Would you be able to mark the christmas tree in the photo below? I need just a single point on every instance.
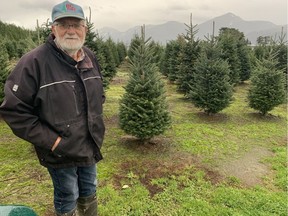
(143, 108)
(267, 86)
(211, 91)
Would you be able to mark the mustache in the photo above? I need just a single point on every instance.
(71, 37)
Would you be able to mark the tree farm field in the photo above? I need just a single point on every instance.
(230, 163)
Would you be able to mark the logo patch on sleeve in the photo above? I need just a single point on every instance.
(15, 88)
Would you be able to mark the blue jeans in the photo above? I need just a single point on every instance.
(70, 184)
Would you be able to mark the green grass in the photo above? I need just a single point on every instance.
(177, 174)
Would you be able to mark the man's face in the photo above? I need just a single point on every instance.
(70, 33)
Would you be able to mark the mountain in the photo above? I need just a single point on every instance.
(170, 30)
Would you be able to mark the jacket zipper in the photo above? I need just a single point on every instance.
(75, 100)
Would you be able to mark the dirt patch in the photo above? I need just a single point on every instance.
(113, 120)
(212, 118)
(265, 118)
(159, 144)
(248, 168)
(118, 81)
(50, 212)
(147, 170)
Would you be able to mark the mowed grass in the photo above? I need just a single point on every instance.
(177, 173)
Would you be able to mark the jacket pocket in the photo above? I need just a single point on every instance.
(75, 141)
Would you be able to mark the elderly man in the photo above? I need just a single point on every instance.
(53, 99)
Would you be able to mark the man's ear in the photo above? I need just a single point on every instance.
(53, 29)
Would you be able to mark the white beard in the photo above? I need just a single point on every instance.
(70, 43)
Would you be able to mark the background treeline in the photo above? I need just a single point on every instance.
(205, 71)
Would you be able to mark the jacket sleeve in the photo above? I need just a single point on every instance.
(18, 108)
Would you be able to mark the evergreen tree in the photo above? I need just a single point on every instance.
(122, 52)
(188, 55)
(266, 46)
(158, 51)
(4, 59)
(113, 48)
(11, 47)
(43, 32)
(262, 49)
(135, 42)
(245, 64)
(164, 59)
(267, 88)
(170, 61)
(143, 108)
(228, 40)
(211, 90)
(282, 51)
(109, 60)
(90, 36)
(280, 48)
(104, 54)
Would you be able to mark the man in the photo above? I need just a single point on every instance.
(53, 99)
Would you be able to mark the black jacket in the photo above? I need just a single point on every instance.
(47, 96)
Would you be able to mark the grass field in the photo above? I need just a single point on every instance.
(232, 163)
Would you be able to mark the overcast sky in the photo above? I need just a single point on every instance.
(125, 14)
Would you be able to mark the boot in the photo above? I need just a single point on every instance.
(71, 213)
(87, 206)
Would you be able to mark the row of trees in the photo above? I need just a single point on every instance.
(206, 72)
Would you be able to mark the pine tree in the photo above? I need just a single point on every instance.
(245, 63)
(158, 51)
(122, 52)
(281, 50)
(4, 59)
(164, 59)
(99, 47)
(228, 41)
(109, 60)
(266, 46)
(112, 46)
(143, 108)
(134, 44)
(267, 88)
(90, 36)
(211, 91)
(43, 32)
(169, 65)
(189, 53)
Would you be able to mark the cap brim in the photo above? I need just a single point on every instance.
(68, 15)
